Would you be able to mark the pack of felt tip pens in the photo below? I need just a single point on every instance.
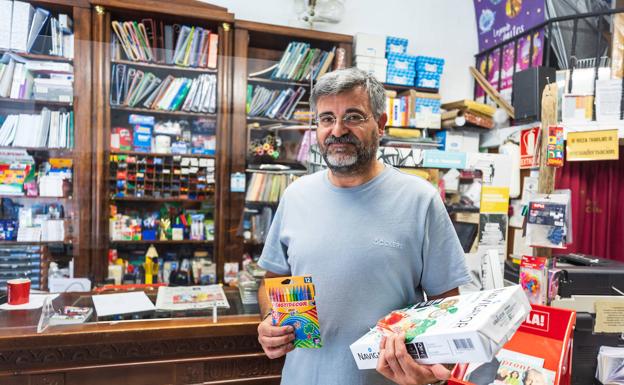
(293, 303)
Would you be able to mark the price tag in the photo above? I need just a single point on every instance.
(237, 182)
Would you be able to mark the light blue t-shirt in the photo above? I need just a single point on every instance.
(370, 249)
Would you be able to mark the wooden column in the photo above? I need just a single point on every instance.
(100, 138)
(82, 141)
(224, 139)
(546, 181)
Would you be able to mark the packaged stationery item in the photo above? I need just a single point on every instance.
(71, 315)
(293, 303)
(465, 328)
(534, 279)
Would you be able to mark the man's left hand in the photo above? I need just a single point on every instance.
(397, 365)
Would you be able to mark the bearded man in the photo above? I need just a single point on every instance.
(373, 239)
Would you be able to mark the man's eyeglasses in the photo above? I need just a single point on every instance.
(350, 120)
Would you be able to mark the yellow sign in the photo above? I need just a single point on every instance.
(592, 145)
(494, 200)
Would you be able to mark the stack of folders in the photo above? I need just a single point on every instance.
(274, 104)
(302, 63)
(264, 187)
(52, 129)
(27, 29)
(152, 41)
(132, 87)
(34, 79)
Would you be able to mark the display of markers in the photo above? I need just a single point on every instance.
(292, 303)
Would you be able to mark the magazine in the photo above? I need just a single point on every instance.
(191, 297)
(507, 368)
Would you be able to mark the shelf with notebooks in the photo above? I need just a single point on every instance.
(45, 188)
(274, 74)
(34, 103)
(164, 112)
(168, 155)
(34, 56)
(168, 67)
(261, 119)
(160, 130)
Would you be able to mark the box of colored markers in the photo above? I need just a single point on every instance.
(292, 303)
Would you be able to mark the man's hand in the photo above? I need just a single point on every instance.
(275, 340)
(397, 365)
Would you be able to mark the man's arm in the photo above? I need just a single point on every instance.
(450, 293)
(397, 365)
(276, 341)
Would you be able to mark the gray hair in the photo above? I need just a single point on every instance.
(333, 83)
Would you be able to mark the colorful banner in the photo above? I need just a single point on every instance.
(499, 20)
(592, 145)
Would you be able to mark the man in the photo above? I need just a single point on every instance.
(372, 238)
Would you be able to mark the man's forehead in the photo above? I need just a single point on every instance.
(354, 98)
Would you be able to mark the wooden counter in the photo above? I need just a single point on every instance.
(133, 352)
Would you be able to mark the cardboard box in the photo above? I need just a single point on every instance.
(369, 45)
(424, 109)
(427, 80)
(396, 45)
(459, 140)
(401, 62)
(403, 78)
(429, 64)
(372, 65)
(461, 329)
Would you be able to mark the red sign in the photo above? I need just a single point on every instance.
(528, 147)
(538, 320)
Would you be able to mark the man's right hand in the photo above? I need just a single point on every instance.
(275, 340)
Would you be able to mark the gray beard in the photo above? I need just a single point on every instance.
(351, 163)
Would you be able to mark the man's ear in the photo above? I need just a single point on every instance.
(381, 123)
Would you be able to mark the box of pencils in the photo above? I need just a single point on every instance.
(292, 303)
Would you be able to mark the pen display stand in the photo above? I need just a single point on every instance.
(547, 333)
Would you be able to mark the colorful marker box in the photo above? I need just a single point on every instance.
(292, 303)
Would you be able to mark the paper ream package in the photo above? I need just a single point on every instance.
(461, 329)
(293, 303)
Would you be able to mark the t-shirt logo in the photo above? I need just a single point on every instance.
(385, 243)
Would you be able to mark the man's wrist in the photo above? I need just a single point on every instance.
(266, 315)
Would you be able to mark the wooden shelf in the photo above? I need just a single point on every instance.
(155, 154)
(399, 87)
(257, 203)
(289, 171)
(277, 82)
(159, 242)
(273, 121)
(157, 200)
(34, 56)
(36, 102)
(34, 198)
(164, 112)
(65, 152)
(165, 66)
(10, 243)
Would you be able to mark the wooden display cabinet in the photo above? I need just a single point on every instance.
(157, 188)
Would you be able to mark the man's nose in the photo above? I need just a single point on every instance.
(339, 128)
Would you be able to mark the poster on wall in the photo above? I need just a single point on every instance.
(499, 20)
